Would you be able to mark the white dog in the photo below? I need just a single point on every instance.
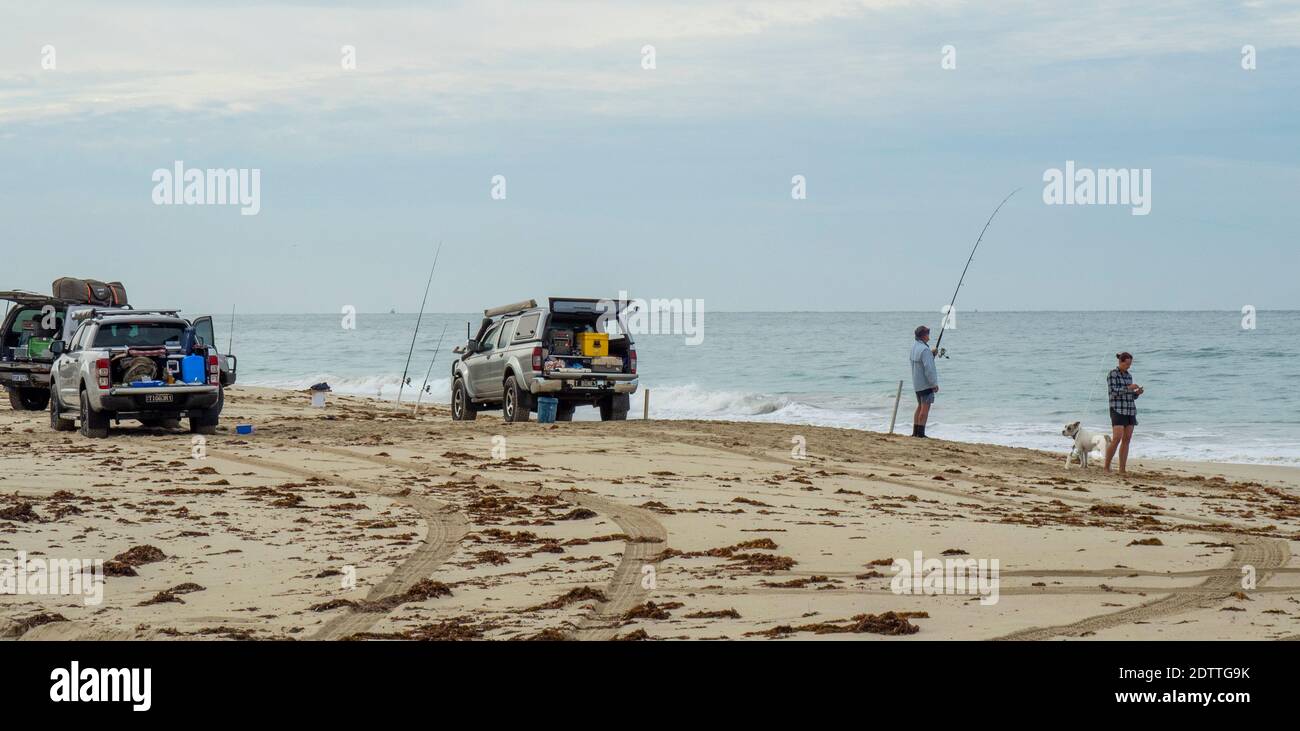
(1084, 442)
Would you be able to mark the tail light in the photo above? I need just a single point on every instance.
(631, 360)
(537, 359)
(102, 369)
(214, 371)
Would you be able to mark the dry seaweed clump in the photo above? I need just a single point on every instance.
(888, 623)
(422, 590)
(140, 555)
(170, 595)
(451, 630)
(24, 625)
(719, 614)
(580, 594)
(21, 512)
(650, 610)
(762, 562)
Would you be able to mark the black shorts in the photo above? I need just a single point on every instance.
(1117, 419)
(925, 397)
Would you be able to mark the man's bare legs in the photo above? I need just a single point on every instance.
(921, 415)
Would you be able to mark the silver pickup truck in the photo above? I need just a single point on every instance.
(131, 365)
(523, 351)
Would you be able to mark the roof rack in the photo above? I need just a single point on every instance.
(96, 312)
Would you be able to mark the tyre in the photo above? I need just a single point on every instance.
(57, 422)
(36, 399)
(462, 409)
(29, 399)
(564, 412)
(204, 421)
(515, 404)
(94, 425)
(615, 407)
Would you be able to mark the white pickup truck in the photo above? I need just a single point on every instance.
(131, 364)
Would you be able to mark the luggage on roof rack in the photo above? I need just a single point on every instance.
(90, 291)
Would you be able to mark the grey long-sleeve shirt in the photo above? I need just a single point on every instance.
(924, 374)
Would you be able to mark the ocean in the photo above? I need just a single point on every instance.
(1215, 391)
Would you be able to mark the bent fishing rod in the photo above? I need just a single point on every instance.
(425, 388)
(940, 352)
(417, 323)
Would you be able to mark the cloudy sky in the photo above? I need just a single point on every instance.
(666, 182)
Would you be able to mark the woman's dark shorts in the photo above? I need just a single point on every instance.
(1117, 419)
(925, 397)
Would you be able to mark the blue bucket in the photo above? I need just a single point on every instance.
(546, 408)
(243, 428)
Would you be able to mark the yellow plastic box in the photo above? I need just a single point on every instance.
(593, 345)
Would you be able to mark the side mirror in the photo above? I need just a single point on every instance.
(56, 348)
(472, 346)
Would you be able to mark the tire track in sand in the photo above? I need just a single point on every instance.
(446, 527)
(645, 539)
(1261, 553)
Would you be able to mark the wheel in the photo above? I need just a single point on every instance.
(204, 421)
(514, 404)
(57, 422)
(35, 399)
(462, 409)
(94, 425)
(29, 399)
(615, 407)
(564, 412)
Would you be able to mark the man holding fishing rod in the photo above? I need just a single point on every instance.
(925, 379)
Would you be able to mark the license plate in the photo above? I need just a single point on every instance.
(19, 377)
(158, 398)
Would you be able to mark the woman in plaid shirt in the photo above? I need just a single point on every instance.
(1123, 409)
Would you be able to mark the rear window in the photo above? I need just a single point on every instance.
(138, 334)
(30, 321)
(528, 327)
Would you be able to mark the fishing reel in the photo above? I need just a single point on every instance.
(941, 353)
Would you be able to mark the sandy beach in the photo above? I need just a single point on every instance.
(361, 521)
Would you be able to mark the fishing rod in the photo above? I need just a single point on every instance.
(940, 352)
(425, 386)
(411, 352)
(230, 343)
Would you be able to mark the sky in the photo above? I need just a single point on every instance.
(664, 182)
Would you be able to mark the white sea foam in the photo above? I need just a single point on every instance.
(383, 387)
(870, 413)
